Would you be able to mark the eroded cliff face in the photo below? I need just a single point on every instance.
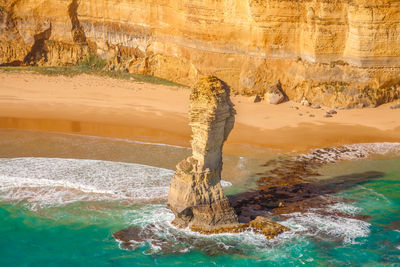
(342, 52)
(44, 33)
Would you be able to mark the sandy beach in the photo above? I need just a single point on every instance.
(100, 106)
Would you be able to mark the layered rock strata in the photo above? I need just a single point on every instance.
(45, 33)
(196, 197)
(344, 53)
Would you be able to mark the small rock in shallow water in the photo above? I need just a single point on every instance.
(266, 226)
(130, 237)
(128, 234)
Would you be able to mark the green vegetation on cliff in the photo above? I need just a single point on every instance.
(92, 65)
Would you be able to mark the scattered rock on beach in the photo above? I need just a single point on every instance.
(330, 113)
(316, 106)
(256, 99)
(361, 105)
(305, 102)
(275, 94)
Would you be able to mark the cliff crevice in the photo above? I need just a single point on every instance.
(38, 52)
(78, 34)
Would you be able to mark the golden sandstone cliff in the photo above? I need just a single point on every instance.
(334, 52)
(195, 195)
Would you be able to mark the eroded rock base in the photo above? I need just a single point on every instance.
(197, 200)
(260, 225)
(133, 237)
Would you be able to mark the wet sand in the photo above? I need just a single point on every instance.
(100, 106)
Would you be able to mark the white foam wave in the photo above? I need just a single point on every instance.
(56, 180)
(329, 226)
(344, 207)
(376, 195)
(377, 148)
(157, 220)
(225, 183)
(242, 163)
(350, 152)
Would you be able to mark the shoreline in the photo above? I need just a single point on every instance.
(106, 107)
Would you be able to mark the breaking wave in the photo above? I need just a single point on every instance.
(162, 237)
(350, 152)
(60, 181)
(57, 181)
(324, 226)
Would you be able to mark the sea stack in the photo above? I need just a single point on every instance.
(195, 195)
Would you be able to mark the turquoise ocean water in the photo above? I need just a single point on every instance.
(63, 212)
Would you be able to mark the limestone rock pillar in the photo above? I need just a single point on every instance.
(196, 197)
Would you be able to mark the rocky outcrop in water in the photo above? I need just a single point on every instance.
(196, 197)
